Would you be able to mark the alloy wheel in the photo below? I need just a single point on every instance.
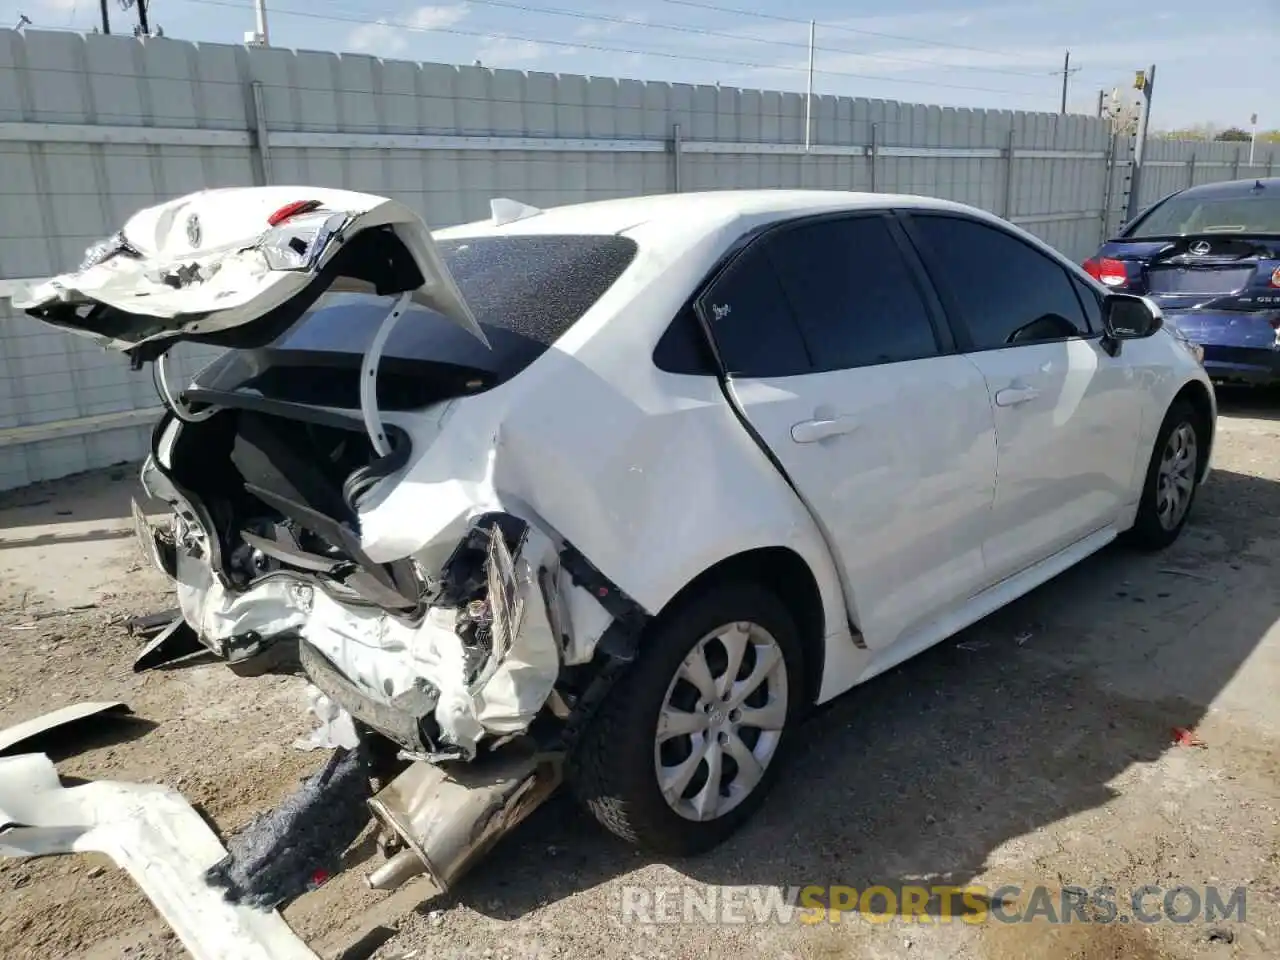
(721, 721)
(1176, 477)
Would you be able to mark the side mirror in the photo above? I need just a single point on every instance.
(1126, 317)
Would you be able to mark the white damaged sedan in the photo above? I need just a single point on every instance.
(619, 490)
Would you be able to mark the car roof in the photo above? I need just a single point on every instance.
(1233, 188)
(694, 213)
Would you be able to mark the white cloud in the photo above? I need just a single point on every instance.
(378, 38)
(61, 6)
(383, 38)
(612, 29)
(436, 18)
(498, 51)
(1027, 57)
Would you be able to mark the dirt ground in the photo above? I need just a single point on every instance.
(1036, 748)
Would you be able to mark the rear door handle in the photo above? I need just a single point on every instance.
(811, 431)
(1012, 396)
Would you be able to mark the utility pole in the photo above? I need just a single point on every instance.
(1253, 136)
(1144, 82)
(808, 98)
(144, 28)
(260, 8)
(1066, 75)
(1102, 97)
(106, 20)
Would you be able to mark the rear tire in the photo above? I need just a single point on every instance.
(1173, 477)
(681, 753)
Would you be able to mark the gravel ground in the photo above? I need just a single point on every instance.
(1035, 749)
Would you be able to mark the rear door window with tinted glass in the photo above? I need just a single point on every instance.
(852, 293)
(751, 321)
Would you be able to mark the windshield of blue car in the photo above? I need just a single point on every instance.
(1185, 216)
(525, 292)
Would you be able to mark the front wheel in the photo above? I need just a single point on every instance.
(1172, 478)
(690, 738)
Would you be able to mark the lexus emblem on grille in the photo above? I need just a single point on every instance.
(193, 230)
(1199, 248)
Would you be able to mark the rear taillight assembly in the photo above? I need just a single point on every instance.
(291, 210)
(1275, 277)
(1109, 272)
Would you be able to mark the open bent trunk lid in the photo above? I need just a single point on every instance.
(236, 267)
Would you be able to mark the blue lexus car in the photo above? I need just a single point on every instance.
(1210, 257)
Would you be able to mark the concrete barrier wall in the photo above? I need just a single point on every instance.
(94, 127)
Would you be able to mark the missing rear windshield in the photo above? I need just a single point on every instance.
(1183, 216)
(525, 291)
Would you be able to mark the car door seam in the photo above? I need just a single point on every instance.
(722, 380)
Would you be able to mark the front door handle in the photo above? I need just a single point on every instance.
(811, 431)
(1012, 396)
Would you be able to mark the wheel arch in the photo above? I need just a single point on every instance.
(787, 574)
(1201, 400)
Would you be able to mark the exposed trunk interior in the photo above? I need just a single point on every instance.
(282, 494)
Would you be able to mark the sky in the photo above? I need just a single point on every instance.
(994, 54)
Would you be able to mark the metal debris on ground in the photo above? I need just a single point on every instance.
(175, 641)
(1022, 638)
(149, 624)
(973, 646)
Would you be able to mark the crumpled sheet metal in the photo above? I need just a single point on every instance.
(375, 650)
(154, 834)
(214, 239)
(217, 614)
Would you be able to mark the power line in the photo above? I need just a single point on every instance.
(738, 11)
(601, 48)
(739, 37)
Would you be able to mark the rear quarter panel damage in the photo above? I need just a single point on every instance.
(648, 474)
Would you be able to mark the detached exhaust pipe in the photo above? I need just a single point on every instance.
(448, 819)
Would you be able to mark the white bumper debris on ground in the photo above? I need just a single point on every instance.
(155, 835)
(31, 729)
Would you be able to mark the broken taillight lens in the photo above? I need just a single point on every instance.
(299, 242)
(104, 250)
(292, 210)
